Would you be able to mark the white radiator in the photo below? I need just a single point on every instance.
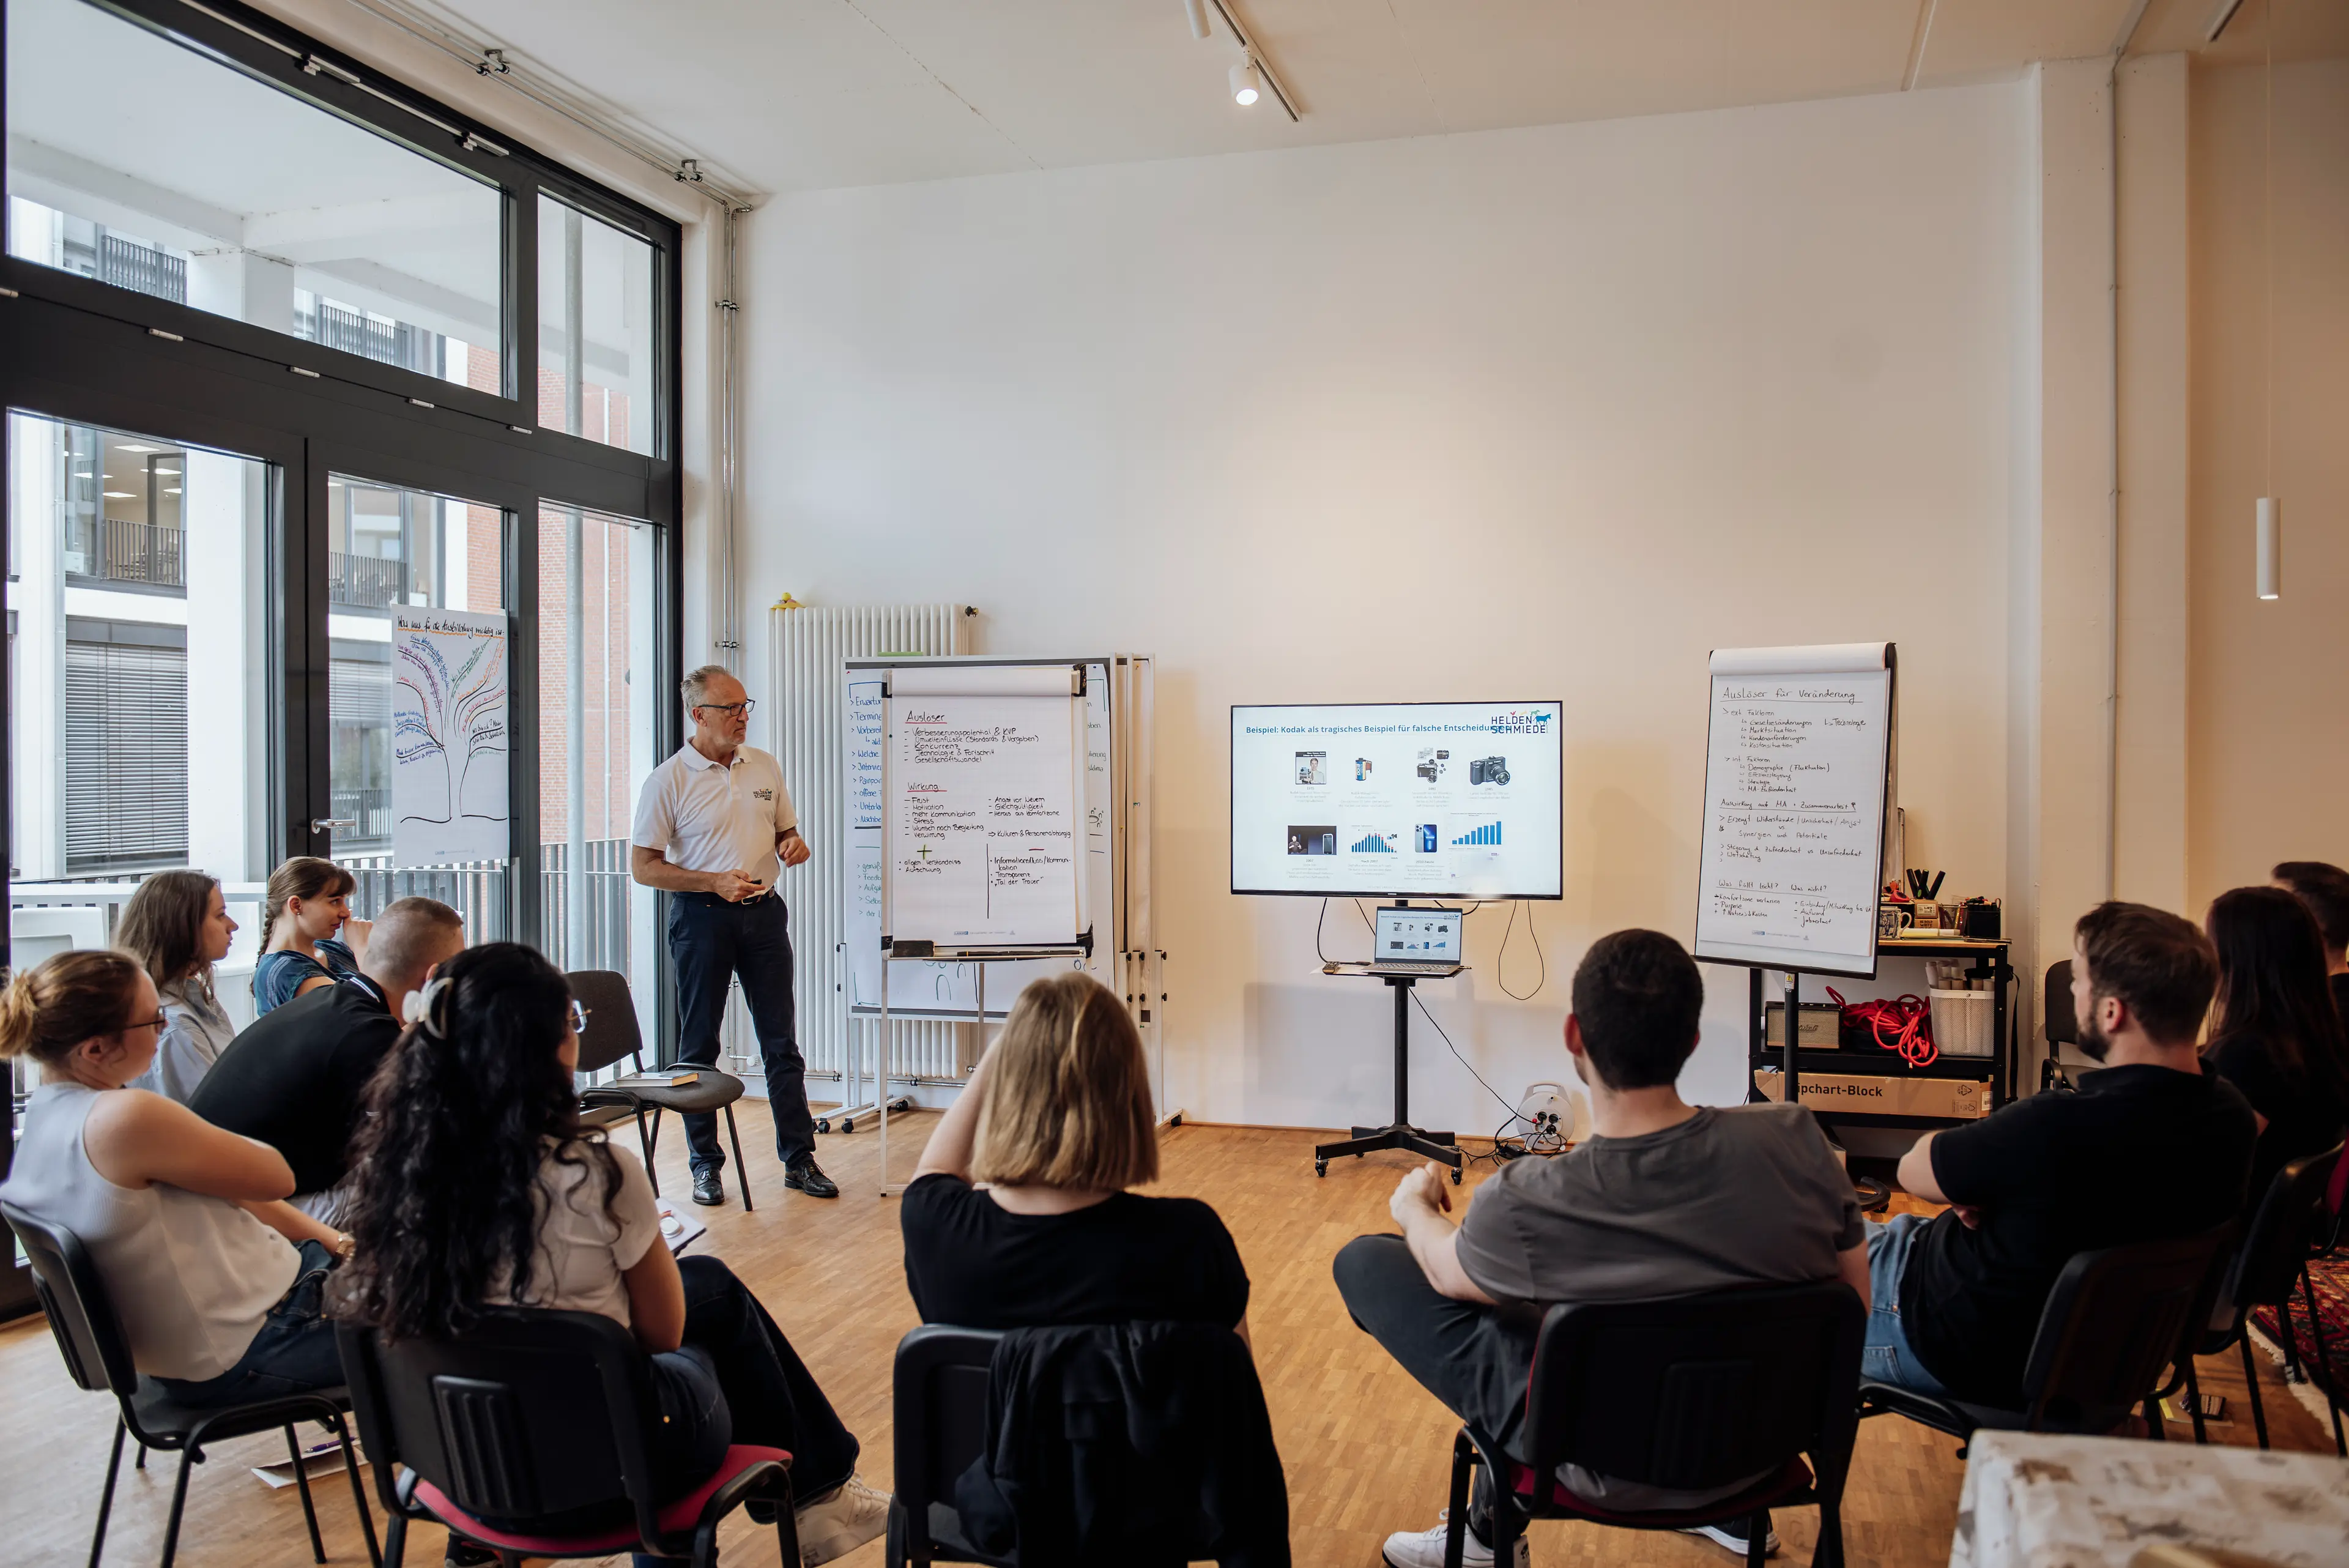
(804, 703)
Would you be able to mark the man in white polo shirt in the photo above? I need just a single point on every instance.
(709, 826)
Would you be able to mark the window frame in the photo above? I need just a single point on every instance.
(257, 45)
(84, 352)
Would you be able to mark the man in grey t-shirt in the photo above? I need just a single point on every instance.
(1664, 1199)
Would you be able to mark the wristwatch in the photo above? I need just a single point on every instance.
(345, 1246)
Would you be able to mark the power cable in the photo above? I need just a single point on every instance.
(1502, 956)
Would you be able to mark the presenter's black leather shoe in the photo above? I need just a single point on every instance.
(708, 1188)
(805, 1177)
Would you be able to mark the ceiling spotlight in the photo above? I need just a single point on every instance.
(1247, 83)
(1197, 10)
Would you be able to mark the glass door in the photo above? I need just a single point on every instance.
(418, 681)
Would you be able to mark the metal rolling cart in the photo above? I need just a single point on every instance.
(1988, 960)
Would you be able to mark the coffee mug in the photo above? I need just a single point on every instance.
(1890, 920)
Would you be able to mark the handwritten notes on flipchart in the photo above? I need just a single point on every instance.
(986, 820)
(1794, 778)
(947, 987)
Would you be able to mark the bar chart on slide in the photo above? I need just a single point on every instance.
(1488, 836)
(1374, 843)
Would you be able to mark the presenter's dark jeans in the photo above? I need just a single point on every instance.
(713, 941)
(1473, 1358)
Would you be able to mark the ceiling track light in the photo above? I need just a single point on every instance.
(1253, 75)
(1248, 82)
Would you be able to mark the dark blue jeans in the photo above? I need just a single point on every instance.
(713, 941)
(293, 1353)
(1887, 1357)
(738, 1380)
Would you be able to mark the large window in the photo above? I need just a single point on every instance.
(596, 326)
(139, 715)
(140, 163)
(392, 549)
(598, 707)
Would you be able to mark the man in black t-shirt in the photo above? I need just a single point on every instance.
(2150, 1146)
(295, 1079)
(2324, 889)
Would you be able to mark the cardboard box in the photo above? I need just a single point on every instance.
(1822, 1025)
(1961, 1099)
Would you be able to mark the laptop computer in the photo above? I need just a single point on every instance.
(1416, 941)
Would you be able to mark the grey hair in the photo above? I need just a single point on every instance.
(696, 684)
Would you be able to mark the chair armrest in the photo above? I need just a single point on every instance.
(1891, 1399)
(606, 1094)
(768, 1478)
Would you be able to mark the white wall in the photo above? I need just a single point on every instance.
(1532, 413)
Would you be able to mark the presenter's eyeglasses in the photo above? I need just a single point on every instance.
(578, 1016)
(742, 707)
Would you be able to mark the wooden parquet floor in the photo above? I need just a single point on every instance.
(1365, 1447)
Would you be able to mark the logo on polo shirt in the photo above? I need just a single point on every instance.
(762, 794)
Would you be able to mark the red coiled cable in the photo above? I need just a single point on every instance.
(1908, 1018)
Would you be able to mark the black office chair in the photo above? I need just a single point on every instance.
(2058, 1022)
(2115, 1321)
(98, 1358)
(526, 1436)
(1691, 1393)
(2273, 1257)
(613, 1033)
(940, 1428)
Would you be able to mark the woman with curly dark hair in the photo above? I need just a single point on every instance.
(2278, 1037)
(476, 1186)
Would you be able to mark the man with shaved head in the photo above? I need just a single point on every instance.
(293, 1080)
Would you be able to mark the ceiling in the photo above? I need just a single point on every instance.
(789, 94)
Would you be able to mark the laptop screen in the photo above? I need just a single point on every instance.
(1418, 936)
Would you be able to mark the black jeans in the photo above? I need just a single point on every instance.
(1473, 1358)
(713, 942)
(738, 1380)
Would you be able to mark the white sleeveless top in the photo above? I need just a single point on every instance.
(191, 1276)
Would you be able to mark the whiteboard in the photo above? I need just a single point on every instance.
(1797, 755)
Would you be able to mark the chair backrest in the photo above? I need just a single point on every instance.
(529, 1414)
(939, 1397)
(2056, 1009)
(2115, 1321)
(1701, 1391)
(612, 1029)
(81, 1315)
(2282, 1228)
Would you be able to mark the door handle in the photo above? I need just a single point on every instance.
(328, 824)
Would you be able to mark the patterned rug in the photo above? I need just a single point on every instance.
(2331, 1278)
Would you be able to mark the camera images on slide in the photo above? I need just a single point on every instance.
(1425, 800)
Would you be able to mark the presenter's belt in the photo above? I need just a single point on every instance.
(712, 901)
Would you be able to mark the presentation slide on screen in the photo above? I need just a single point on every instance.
(1412, 799)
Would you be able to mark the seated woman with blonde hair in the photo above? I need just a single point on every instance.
(1018, 1215)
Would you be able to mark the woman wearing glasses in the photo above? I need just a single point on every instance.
(216, 1279)
(476, 1186)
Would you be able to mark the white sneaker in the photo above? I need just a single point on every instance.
(840, 1521)
(1424, 1549)
(1732, 1539)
